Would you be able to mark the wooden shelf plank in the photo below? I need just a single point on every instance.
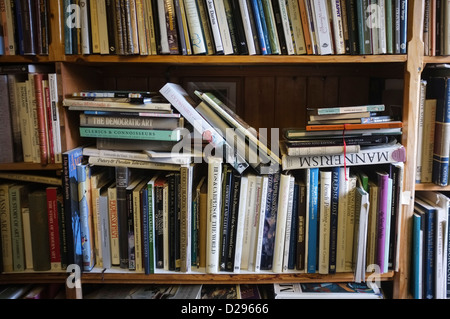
(436, 59)
(431, 187)
(29, 167)
(175, 278)
(236, 59)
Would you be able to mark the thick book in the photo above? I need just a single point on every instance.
(53, 227)
(131, 133)
(39, 230)
(354, 126)
(141, 122)
(281, 219)
(362, 206)
(86, 218)
(292, 134)
(347, 109)
(439, 88)
(382, 231)
(213, 218)
(5, 231)
(321, 18)
(18, 200)
(70, 159)
(122, 176)
(312, 220)
(376, 155)
(123, 104)
(6, 131)
(429, 245)
(417, 255)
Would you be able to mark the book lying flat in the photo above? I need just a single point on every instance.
(155, 135)
(354, 126)
(301, 133)
(82, 105)
(347, 109)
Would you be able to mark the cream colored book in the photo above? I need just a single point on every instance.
(296, 26)
(324, 222)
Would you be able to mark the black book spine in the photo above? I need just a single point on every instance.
(122, 180)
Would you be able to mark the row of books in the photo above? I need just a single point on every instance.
(32, 231)
(433, 127)
(436, 27)
(186, 27)
(24, 27)
(30, 119)
(429, 246)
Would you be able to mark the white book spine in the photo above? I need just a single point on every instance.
(321, 22)
(342, 219)
(54, 105)
(249, 221)
(286, 23)
(102, 27)
(350, 231)
(27, 242)
(104, 224)
(280, 233)
(287, 238)
(223, 27)
(260, 226)
(324, 221)
(240, 223)
(382, 38)
(247, 27)
(213, 215)
(338, 28)
(214, 26)
(164, 42)
(195, 27)
(85, 32)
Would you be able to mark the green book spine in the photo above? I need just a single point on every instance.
(16, 197)
(389, 27)
(136, 134)
(271, 27)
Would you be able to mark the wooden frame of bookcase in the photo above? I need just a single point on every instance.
(414, 62)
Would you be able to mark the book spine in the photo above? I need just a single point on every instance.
(150, 269)
(218, 45)
(324, 222)
(112, 162)
(247, 24)
(84, 200)
(214, 204)
(321, 20)
(206, 26)
(152, 135)
(55, 117)
(442, 134)
(267, 251)
(288, 249)
(262, 205)
(122, 180)
(105, 230)
(338, 29)
(334, 210)
(271, 27)
(263, 41)
(420, 130)
(147, 205)
(304, 16)
(390, 27)
(102, 27)
(5, 220)
(350, 232)
(301, 212)
(223, 27)
(180, 15)
(241, 215)
(6, 132)
(195, 27)
(428, 141)
(383, 180)
(417, 257)
(39, 230)
(114, 226)
(16, 197)
(235, 192)
(85, 28)
(111, 24)
(185, 198)
(41, 114)
(313, 221)
(285, 24)
(280, 230)
(403, 26)
(53, 229)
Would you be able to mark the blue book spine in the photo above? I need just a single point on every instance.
(416, 257)
(313, 212)
(84, 202)
(263, 40)
(70, 160)
(441, 91)
(403, 26)
(20, 39)
(334, 218)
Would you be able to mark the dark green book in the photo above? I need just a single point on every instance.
(39, 230)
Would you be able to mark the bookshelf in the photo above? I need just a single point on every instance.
(261, 81)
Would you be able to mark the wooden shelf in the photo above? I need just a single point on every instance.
(236, 59)
(29, 167)
(431, 187)
(25, 59)
(436, 59)
(180, 278)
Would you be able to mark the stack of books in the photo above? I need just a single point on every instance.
(351, 134)
(129, 126)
